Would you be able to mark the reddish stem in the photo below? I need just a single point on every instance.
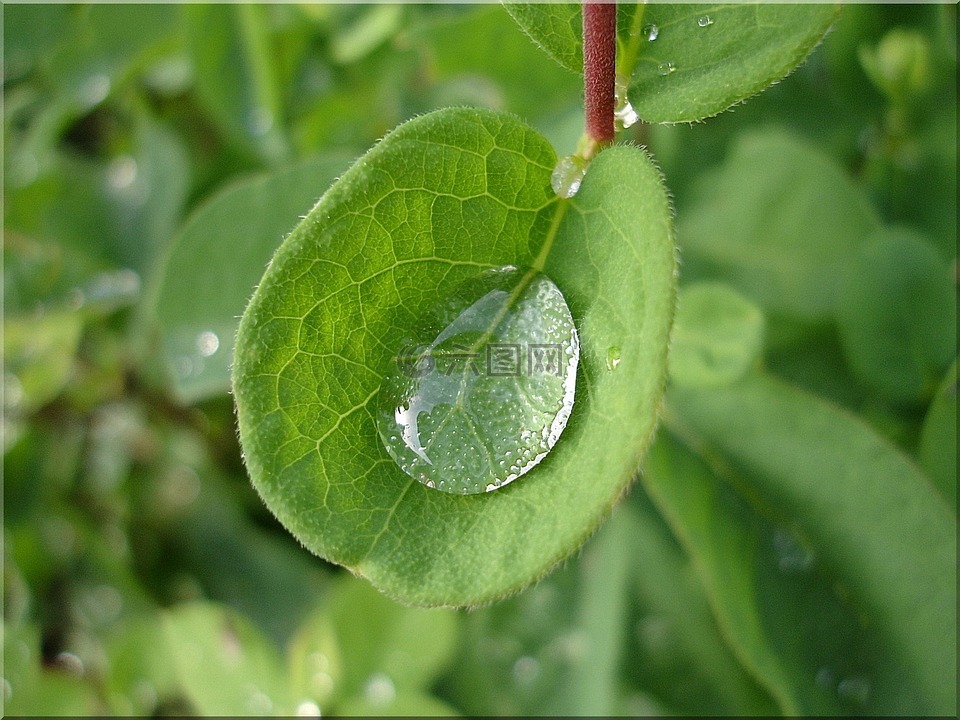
(599, 67)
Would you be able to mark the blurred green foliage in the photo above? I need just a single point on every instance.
(817, 227)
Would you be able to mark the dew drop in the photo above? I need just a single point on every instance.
(379, 689)
(854, 690)
(500, 383)
(650, 32)
(704, 21)
(207, 343)
(792, 555)
(613, 358)
(567, 176)
(665, 68)
(624, 115)
(526, 670)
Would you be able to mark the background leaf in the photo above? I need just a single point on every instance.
(557, 28)
(687, 62)
(214, 264)
(899, 287)
(717, 335)
(875, 518)
(780, 221)
(938, 441)
(365, 261)
(708, 57)
(223, 662)
(234, 42)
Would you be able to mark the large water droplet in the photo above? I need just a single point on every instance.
(650, 32)
(483, 390)
(665, 68)
(624, 115)
(704, 21)
(567, 175)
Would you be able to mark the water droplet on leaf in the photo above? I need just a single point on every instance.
(623, 114)
(567, 176)
(665, 68)
(490, 375)
(704, 21)
(613, 358)
(526, 670)
(792, 556)
(854, 690)
(650, 32)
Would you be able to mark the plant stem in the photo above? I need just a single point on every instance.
(599, 69)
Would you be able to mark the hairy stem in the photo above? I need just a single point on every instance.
(599, 69)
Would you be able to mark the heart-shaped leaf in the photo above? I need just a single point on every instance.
(688, 62)
(439, 199)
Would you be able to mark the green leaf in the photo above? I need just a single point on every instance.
(387, 648)
(898, 315)
(717, 336)
(32, 690)
(441, 197)
(557, 28)
(592, 686)
(121, 212)
(375, 24)
(873, 516)
(401, 704)
(314, 661)
(707, 58)
(688, 62)
(142, 672)
(558, 648)
(38, 358)
(677, 620)
(224, 664)
(214, 264)
(780, 221)
(236, 78)
(467, 73)
(938, 439)
(774, 599)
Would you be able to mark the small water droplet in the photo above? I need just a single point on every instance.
(826, 677)
(704, 21)
(624, 115)
(665, 68)
(854, 689)
(260, 120)
(650, 32)
(567, 176)
(122, 172)
(526, 670)
(504, 353)
(379, 689)
(258, 702)
(207, 343)
(94, 89)
(70, 663)
(308, 708)
(792, 555)
(613, 358)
